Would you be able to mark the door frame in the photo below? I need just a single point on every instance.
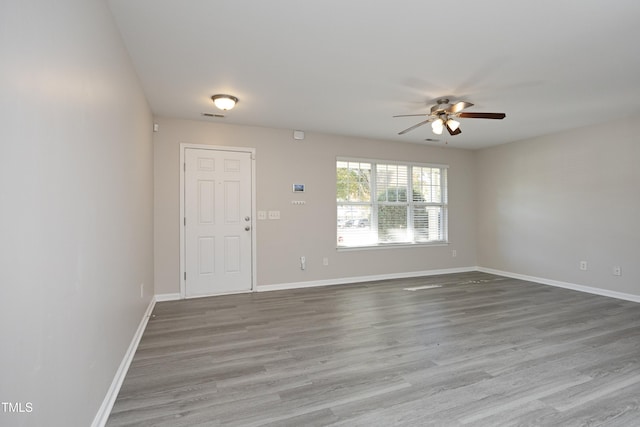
(252, 151)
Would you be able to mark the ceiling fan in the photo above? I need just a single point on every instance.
(443, 115)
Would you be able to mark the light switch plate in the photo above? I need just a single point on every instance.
(274, 214)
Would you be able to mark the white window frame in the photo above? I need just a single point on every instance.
(373, 203)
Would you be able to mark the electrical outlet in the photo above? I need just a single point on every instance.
(617, 271)
(325, 261)
(303, 263)
(141, 290)
(583, 265)
(454, 253)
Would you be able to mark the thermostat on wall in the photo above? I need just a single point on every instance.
(298, 188)
(298, 134)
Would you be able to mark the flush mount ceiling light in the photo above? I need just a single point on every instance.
(224, 102)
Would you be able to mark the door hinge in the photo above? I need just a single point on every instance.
(185, 275)
(184, 167)
(185, 221)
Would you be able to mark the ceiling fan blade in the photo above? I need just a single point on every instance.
(498, 116)
(414, 126)
(453, 132)
(459, 106)
(411, 115)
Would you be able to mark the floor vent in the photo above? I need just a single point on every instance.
(479, 282)
(419, 288)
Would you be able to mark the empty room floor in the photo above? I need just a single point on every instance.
(467, 349)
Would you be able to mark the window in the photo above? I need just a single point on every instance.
(385, 203)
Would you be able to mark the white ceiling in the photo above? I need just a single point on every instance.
(346, 66)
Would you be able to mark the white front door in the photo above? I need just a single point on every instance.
(218, 223)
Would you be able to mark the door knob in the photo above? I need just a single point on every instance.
(246, 218)
(247, 228)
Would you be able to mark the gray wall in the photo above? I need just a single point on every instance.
(76, 187)
(546, 204)
(308, 229)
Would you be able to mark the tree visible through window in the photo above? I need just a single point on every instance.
(384, 203)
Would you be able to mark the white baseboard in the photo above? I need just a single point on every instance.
(107, 404)
(566, 285)
(167, 297)
(358, 279)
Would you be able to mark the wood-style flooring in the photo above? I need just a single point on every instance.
(480, 350)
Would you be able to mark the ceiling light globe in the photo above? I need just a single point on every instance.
(224, 102)
(453, 124)
(437, 126)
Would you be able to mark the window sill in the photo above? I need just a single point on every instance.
(390, 246)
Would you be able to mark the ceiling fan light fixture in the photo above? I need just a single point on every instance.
(453, 124)
(224, 102)
(443, 115)
(437, 126)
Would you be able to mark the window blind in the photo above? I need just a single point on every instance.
(384, 203)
